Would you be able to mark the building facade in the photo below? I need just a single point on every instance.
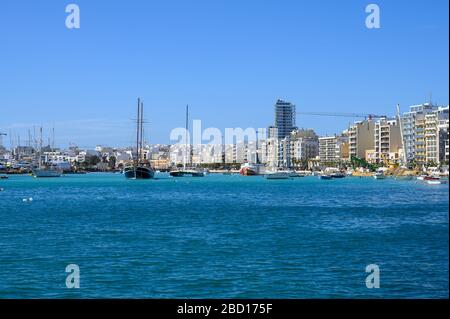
(284, 120)
(333, 149)
(361, 138)
(304, 145)
(388, 141)
(425, 134)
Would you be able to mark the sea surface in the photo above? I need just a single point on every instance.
(222, 237)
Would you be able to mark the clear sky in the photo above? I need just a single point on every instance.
(228, 59)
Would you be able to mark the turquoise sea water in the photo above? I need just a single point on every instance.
(222, 237)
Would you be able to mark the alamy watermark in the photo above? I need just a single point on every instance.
(73, 19)
(213, 136)
(73, 278)
(373, 20)
(373, 279)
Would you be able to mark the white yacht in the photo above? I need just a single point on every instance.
(47, 172)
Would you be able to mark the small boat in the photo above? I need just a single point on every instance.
(278, 175)
(379, 175)
(338, 175)
(436, 182)
(248, 169)
(325, 177)
(187, 172)
(431, 178)
(294, 174)
(4, 177)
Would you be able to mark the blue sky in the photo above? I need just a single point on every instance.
(228, 59)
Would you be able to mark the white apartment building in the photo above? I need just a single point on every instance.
(425, 134)
(304, 145)
(333, 149)
(413, 126)
(436, 136)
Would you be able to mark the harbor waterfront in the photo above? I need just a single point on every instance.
(222, 236)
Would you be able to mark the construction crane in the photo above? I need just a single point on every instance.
(365, 116)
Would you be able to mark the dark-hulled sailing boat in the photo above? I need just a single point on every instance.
(140, 168)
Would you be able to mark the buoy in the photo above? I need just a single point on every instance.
(24, 200)
(30, 199)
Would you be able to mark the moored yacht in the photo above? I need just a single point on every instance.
(139, 168)
(248, 169)
(47, 172)
(187, 171)
(47, 169)
(278, 175)
(138, 171)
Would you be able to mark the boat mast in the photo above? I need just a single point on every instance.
(40, 148)
(257, 147)
(186, 137)
(137, 129)
(142, 131)
(53, 139)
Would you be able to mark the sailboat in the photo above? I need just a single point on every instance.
(277, 172)
(139, 168)
(192, 172)
(45, 170)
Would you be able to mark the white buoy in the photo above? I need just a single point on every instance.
(24, 200)
(30, 199)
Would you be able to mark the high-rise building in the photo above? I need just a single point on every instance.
(388, 140)
(436, 135)
(279, 144)
(361, 138)
(444, 136)
(413, 126)
(284, 120)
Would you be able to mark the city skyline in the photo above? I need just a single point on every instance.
(30, 137)
(319, 56)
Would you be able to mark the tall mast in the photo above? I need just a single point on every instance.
(142, 130)
(187, 135)
(137, 129)
(257, 147)
(53, 139)
(40, 148)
